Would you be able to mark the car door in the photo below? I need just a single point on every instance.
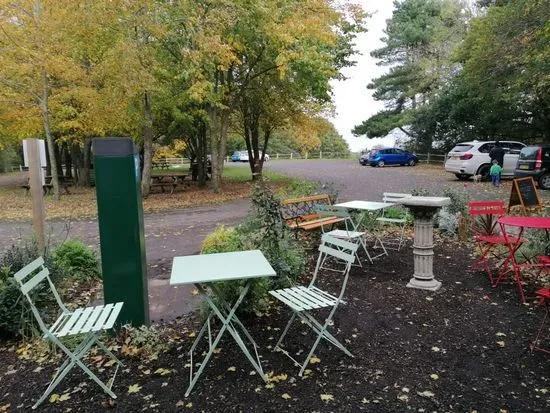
(511, 155)
(400, 156)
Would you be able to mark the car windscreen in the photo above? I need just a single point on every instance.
(462, 148)
(530, 152)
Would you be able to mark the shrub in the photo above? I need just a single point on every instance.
(263, 229)
(15, 315)
(77, 260)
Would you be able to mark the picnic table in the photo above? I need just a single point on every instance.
(366, 207)
(64, 182)
(204, 271)
(514, 243)
(172, 180)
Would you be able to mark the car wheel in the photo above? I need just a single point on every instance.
(484, 172)
(381, 164)
(544, 181)
(462, 177)
(412, 162)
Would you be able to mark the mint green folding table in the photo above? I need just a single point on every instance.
(204, 271)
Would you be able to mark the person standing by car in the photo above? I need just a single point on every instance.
(495, 172)
(497, 153)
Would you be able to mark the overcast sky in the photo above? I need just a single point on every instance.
(354, 102)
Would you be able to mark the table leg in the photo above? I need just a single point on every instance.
(227, 315)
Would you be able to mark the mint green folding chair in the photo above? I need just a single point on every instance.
(87, 322)
(349, 232)
(304, 300)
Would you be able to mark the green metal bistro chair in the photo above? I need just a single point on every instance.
(88, 322)
(303, 300)
(398, 240)
(349, 233)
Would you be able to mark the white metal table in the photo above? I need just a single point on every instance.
(204, 271)
(367, 207)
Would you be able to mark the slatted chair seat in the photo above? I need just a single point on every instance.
(84, 320)
(317, 223)
(88, 322)
(497, 239)
(304, 300)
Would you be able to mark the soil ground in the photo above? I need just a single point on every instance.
(463, 348)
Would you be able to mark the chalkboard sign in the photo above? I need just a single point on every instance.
(524, 193)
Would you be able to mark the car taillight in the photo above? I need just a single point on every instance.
(466, 157)
(538, 161)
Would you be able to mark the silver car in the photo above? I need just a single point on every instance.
(467, 159)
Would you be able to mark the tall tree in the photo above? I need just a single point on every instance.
(420, 39)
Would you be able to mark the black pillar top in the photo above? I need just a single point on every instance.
(113, 147)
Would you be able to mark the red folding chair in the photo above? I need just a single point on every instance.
(484, 215)
(544, 294)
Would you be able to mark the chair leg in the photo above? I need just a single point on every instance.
(535, 344)
(285, 330)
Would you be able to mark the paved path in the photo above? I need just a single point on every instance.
(167, 235)
(182, 232)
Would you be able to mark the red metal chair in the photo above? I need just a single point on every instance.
(484, 215)
(544, 295)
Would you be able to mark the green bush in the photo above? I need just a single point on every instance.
(264, 230)
(77, 260)
(15, 315)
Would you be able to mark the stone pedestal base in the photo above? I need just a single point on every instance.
(430, 285)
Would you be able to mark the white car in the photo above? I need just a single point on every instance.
(467, 159)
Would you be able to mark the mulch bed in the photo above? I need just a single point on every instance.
(463, 348)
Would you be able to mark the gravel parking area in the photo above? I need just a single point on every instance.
(368, 183)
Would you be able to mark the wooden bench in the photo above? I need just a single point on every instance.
(300, 213)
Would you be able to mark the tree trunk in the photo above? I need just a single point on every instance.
(76, 161)
(49, 138)
(84, 178)
(147, 145)
(58, 158)
(218, 139)
(202, 162)
(68, 160)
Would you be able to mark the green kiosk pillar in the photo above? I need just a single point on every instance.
(121, 234)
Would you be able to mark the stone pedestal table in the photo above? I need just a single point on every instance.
(423, 209)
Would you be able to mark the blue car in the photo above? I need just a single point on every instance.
(388, 156)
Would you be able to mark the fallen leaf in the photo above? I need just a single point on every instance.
(501, 335)
(134, 388)
(436, 349)
(434, 376)
(162, 372)
(403, 398)
(501, 343)
(426, 393)
(54, 398)
(314, 360)
(232, 368)
(286, 396)
(269, 386)
(194, 291)
(327, 397)
(189, 405)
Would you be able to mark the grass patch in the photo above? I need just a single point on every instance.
(241, 174)
(81, 203)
